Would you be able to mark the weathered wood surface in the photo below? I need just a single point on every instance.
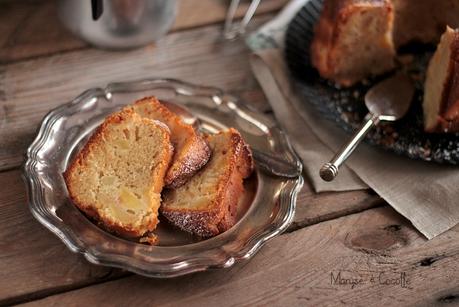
(388, 262)
(32, 260)
(31, 28)
(30, 89)
(193, 13)
(313, 208)
(43, 66)
(34, 263)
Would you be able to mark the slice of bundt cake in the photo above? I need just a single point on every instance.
(353, 40)
(441, 88)
(207, 204)
(118, 176)
(191, 150)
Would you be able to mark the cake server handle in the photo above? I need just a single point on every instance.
(329, 170)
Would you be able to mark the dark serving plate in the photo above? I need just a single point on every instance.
(345, 106)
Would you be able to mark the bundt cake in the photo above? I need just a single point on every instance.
(207, 204)
(353, 40)
(423, 21)
(356, 39)
(441, 88)
(118, 176)
(191, 151)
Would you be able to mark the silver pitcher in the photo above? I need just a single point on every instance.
(118, 24)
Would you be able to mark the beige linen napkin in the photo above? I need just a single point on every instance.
(427, 194)
(306, 144)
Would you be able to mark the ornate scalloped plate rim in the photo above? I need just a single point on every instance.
(187, 266)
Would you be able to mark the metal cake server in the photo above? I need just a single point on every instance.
(268, 163)
(388, 100)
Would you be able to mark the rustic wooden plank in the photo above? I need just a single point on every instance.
(29, 252)
(29, 89)
(313, 208)
(31, 28)
(366, 259)
(191, 12)
(32, 259)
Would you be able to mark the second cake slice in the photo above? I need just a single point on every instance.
(207, 204)
(191, 151)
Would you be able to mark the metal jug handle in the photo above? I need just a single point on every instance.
(97, 8)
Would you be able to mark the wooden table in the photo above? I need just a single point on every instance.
(343, 248)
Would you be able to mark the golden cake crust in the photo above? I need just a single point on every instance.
(356, 39)
(77, 169)
(218, 215)
(353, 40)
(191, 151)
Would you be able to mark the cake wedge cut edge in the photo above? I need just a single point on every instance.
(191, 151)
(207, 204)
(353, 40)
(441, 88)
(118, 176)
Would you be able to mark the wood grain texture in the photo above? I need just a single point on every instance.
(369, 259)
(32, 260)
(51, 67)
(30, 89)
(31, 28)
(193, 13)
(34, 263)
(313, 208)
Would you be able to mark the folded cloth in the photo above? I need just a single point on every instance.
(308, 146)
(425, 193)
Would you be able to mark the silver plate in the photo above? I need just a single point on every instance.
(268, 204)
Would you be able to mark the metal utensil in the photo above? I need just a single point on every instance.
(388, 100)
(270, 164)
(231, 31)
